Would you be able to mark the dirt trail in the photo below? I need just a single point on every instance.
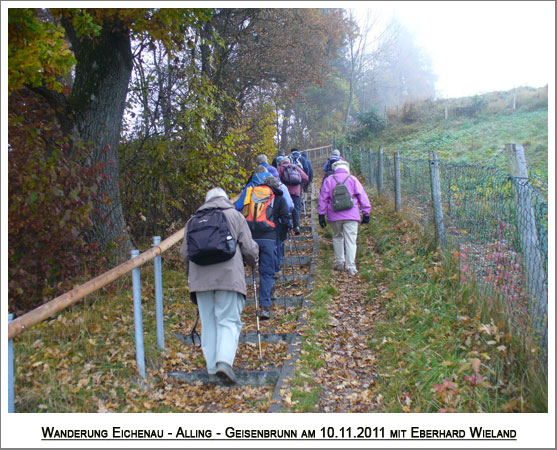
(349, 367)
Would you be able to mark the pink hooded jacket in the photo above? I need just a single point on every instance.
(361, 200)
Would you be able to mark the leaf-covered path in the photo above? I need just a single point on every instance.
(349, 363)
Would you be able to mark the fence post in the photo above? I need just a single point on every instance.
(436, 197)
(371, 183)
(380, 172)
(450, 194)
(528, 236)
(137, 316)
(11, 396)
(446, 108)
(158, 296)
(397, 182)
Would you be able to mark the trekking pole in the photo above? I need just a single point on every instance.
(194, 332)
(298, 252)
(257, 313)
(283, 263)
(291, 255)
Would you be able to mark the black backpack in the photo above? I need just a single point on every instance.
(330, 161)
(209, 238)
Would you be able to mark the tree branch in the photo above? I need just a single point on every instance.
(59, 104)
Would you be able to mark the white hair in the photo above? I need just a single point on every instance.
(261, 159)
(336, 152)
(215, 192)
(343, 164)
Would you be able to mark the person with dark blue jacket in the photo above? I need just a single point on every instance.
(297, 158)
(276, 162)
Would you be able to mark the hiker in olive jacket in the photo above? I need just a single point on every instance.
(220, 289)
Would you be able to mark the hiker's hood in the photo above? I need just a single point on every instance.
(258, 178)
(217, 202)
(341, 166)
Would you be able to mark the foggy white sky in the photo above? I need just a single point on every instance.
(480, 47)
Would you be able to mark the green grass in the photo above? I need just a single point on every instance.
(434, 351)
(473, 140)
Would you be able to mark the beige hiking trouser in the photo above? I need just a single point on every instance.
(220, 326)
(345, 233)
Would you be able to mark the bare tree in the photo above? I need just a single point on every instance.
(367, 45)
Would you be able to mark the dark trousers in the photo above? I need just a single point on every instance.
(279, 254)
(267, 249)
(296, 210)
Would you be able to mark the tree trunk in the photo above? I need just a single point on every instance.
(284, 128)
(351, 85)
(97, 102)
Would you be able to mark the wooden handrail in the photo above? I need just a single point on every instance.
(41, 313)
(317, 148)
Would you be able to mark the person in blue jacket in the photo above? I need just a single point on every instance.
(267, 240)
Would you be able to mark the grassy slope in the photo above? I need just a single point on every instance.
(435, 350)
(474, 140)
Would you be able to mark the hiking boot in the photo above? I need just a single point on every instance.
(352, 271)
(339, 267)
(297, 231)
(213, 378)
(226, 374)
(265, 313)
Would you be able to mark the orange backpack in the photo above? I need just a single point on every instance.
(258, 208)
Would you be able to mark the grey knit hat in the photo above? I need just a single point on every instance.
(261, 169)
(272, 182)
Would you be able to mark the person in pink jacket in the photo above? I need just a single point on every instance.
(344, 223)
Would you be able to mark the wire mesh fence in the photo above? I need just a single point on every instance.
(495, 224)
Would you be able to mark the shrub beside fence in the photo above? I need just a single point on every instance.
(496, 224)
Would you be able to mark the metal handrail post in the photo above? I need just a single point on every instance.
(138, 321)
(10, 371)
(158, 296)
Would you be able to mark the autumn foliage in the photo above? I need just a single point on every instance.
(50, 198)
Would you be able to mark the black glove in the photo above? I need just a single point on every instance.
(365, 219)
(322, 220)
